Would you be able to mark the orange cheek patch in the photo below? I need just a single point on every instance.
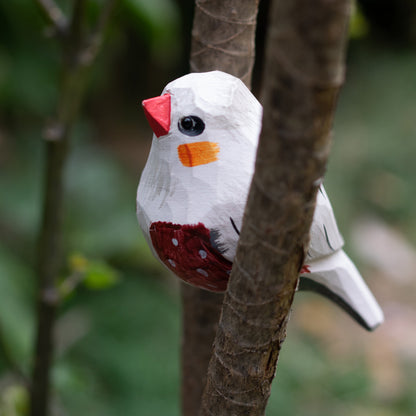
(198, 153)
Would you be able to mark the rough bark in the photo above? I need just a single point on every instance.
(222, 38)
(303, 73)
(78, 55)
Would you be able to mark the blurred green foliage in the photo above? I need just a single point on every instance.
(374, 137)
(14, 401)
(118, 347)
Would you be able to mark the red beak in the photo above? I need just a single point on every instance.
(157, 112)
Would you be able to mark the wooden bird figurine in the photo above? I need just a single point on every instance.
(194, 187)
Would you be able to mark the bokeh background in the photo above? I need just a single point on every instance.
(118, 334)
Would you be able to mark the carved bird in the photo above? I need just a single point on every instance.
(193, 190)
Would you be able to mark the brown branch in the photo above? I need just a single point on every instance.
(49, 260)
(57, 134)
(222, 38)
(303, 73)
(103, 18)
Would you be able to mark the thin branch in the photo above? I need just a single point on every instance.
(54, 15)
(104, 17)
(49, 261)
(70, 284)
(89, 54)
(74, 75)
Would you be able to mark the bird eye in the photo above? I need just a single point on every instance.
(191, 125)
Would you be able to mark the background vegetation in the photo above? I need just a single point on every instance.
(118, 335)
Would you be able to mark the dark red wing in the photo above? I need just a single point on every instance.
(187, 251)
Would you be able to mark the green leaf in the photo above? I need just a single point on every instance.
(99, 275)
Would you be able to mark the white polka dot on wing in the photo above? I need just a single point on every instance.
(213, 286)
(202, 254)
(203, 272)
(172, 263)
(175, 242)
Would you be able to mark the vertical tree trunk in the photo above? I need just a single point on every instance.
(222, 38)
(303, 73)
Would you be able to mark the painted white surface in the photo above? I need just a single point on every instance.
(211, 193)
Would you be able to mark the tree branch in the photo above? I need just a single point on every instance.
(223, 37)
(95, 39)
(74, 75)
(225, 41)
(303, 73)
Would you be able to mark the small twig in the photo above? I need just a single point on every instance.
(70, 283)
(104, 17)
(54, 15)
(89, 53)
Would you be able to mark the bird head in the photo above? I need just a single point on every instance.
(202, 118)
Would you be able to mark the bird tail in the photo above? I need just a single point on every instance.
(336, 277)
